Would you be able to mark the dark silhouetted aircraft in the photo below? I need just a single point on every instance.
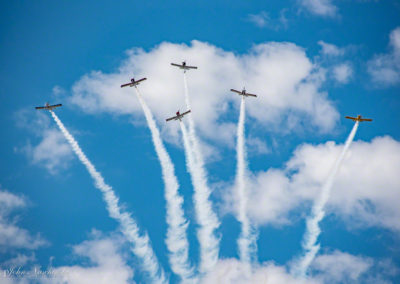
(178, 116)
(133, 82)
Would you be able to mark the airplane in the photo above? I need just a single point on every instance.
(358, 118)
(184, 66)
(178, 116)
(48, 106)
(243, 93)
(133, 82)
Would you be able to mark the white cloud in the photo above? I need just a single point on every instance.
(57, 90)
(52, 151)
(269, 199)
(323, 8)
(263, 20)
(330, 49)
(332, 58)
(365, 191)
(9, 201)
(334, 267)
(385, 68)
(287, 83)
(341, 267)
(104, 263)
(260, 20)
(365, 187)
(19, 260)
(232, 271)
(99, 260)
(257, 146)
(11, 236)
(32, 121)
(342, 72)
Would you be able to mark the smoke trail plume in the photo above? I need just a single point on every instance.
(176, 241)
(141, 244)
(310, 245)
(247, 239)
(209, 243)
(198, 158)
(206, 218)
(187, 100)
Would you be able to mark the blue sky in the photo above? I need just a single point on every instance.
(310, 62)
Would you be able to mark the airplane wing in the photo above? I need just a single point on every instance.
(126, 85)
(178, 116)
(133, 83)
(140, 80)
(251, 95)
(191, 67)
(365, 119)
(349, 117)
(235, 91)
(177, 65)
(185, 113)
(171, 118)
(49, 107)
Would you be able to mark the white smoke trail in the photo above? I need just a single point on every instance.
(247, 240)
(176, 241)
(198, 157)
(187, 100)
(313, 231)
(206, 218)
(141, 244)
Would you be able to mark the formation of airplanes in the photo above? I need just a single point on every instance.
(179, 116)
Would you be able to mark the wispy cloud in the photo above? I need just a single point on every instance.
(322, 8)
(330, 49)
(57, 90)
(12, 236)
(261, 19)
(342, 72)
(51, 152)
(336, 60)
(97, 260)
(385, 68)
(257, 146)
